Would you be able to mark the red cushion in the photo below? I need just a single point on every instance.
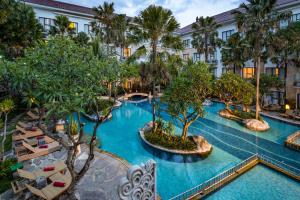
(58, 184)
(49, 168)
(40, 137)
(33, 129)
(44, 146)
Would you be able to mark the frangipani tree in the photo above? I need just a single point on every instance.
(67, 77)
(186, 94)
(6, 106)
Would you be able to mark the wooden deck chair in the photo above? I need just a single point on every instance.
(50, 192)
(21, 133)
(35, 152)
(59, 166)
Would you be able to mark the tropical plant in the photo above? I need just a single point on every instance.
(186, 94)
(6, 106)
(284, 48)
(103, 25)
(257, 20)
(231, 88)
(234, 53)
(62, 26)
(81, 39)
(19, 29)
(65, 86)
(6, 8)
(155, 25)
(267, 83)
(205, 36)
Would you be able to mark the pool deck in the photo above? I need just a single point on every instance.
(102, 178)
(99, 182)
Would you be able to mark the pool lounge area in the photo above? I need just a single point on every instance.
(175, 173)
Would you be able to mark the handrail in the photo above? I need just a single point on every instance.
(216, 181)
(213, 181)
(280, 165)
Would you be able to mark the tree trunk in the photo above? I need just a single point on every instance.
(4, 138)
(257, 109)
(154, 81)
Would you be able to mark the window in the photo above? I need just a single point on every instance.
(212, 57)
(272, 71)
(296, 17)
(46, 23)
(111, 50)
(186, 56)
(87, 29)
(196, 57)
(224, 70)
(248, 72)
(74, 25)
(127, 52)
(227, 34)
(186, 43)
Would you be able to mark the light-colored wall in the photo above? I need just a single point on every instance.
(226, 27)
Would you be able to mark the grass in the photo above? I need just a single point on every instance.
(170, 141)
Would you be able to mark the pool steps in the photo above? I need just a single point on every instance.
(226, 177)
(290, 142)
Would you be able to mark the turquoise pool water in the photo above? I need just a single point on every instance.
(260, 183)
(278, 133)
(175, 173)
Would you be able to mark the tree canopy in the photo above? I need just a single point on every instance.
(186, 94)
(19, 28)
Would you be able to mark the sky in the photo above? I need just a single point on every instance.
(185, 11)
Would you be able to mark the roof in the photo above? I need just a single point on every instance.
(62, 5)
(228, 17)
(65, 6)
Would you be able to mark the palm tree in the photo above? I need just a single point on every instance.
(257, 20)
(62, 26)
(6, 106)
(234, 53)
(120, 27)
(155, 25)
(285, 47)
(205, 36)
(103, 26)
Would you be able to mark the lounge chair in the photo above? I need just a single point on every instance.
(27, 152)
(291, 114)
(22, 134)
(58, 167)
(34, 116)
(50, 191)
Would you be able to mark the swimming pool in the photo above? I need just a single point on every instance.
(176, 173)
(260, 183)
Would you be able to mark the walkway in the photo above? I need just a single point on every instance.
(103, 177)
(236, 142)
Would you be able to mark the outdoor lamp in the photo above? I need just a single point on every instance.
(287, 106)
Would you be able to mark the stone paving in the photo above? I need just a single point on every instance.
(100, 181)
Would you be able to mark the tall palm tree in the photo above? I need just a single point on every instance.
(284, 48)
(155, 25)
(62, 26)
(103, 26)
(205, 36)
(234, 53)
(120, 26)
(257, 20)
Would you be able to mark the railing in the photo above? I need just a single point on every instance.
(285, 167)
(290, 142)
(217, 181)
(214, 182)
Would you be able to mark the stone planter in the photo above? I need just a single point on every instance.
(256, 125)
(203, 147)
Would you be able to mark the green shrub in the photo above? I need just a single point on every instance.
(170, 141)
(102, 105)
(245, 115)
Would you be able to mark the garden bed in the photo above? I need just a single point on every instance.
(193, 145)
